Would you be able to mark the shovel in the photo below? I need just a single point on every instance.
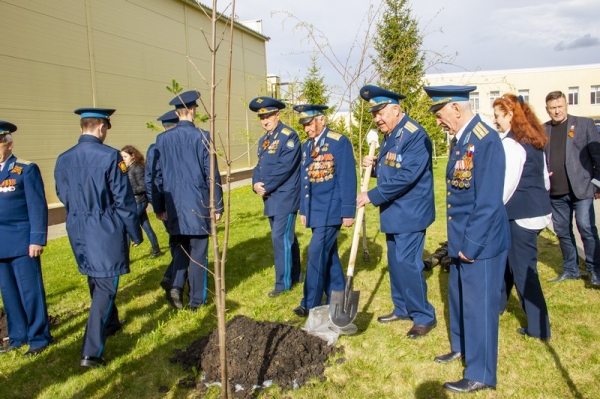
(344, 304)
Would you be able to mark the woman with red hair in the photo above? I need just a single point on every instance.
(527, 203)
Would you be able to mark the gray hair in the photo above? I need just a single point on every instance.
(464, 105)
(6, 138)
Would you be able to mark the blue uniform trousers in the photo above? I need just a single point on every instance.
(287, 251)
(474, 298)
(169, 271)
(522, 262)
(408, 285)
(324, 271)
(103, 317)
(24, 302)
(188, 267)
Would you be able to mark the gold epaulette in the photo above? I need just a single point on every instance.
(23, 161)
(286, 131)
(334, 135)
(480, 130)
(411, 127)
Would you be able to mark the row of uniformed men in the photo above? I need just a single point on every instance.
(320, 182)
(91, 182)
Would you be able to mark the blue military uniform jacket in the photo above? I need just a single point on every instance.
(182, 184)
(149, 172)
(328, 181)
(23, 208)
(404, 192)
(278, 168)
(477, 222)
(91, 180)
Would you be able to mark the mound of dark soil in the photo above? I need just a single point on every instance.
(258, 352)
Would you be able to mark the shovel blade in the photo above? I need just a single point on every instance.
(343, 307)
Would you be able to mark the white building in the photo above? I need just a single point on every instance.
(580, 83)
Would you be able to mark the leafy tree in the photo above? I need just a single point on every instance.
(400, 63)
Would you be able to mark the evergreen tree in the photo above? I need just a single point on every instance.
(313, 90)
(400, 63)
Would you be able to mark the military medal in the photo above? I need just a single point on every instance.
(315, 152)
(572, 131)
(265, 144)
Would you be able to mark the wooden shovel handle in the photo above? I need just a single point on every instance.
(360, 214)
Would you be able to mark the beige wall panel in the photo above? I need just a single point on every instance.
(31, 35)
(171, 9)
(71, 11)
(138, 47)
(38, 86)
(138, 25)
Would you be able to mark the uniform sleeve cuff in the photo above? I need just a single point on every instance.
(38, 238)
(376, 197)
(348, 211)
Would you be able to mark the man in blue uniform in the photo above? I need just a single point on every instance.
(169, 120)
(276, 179)
(182, 199)
(328, 200)
(404, 195)
(23, 233)
(91, 181)
(478, 237)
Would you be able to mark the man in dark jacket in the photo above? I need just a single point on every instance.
(573, 156)
(169, 120)
(91, 181)
(181, 198)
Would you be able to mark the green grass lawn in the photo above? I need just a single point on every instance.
(380, 361)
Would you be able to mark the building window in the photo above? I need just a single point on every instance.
(525, 94)
(493, 96)
(573, 95)
(595, 95)
(474, 100)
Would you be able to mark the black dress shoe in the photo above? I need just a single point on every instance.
(8, 349)
(523, 331)
(116, 330)
(466, 385)
(35, 351)
(176, 298)
(301, 311)
(165, 283)
(90, 361)
(388, 318)
(595, 280)
(448, 357)
(275, 293)
(562, 277)
(417, 330)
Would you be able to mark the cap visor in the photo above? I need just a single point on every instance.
(437, 107)
(304, 121)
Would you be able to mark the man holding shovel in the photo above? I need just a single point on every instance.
(404, 195)
(328, 200)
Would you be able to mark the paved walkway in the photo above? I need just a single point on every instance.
(59, 230)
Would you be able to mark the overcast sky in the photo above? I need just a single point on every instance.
(486, 35)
